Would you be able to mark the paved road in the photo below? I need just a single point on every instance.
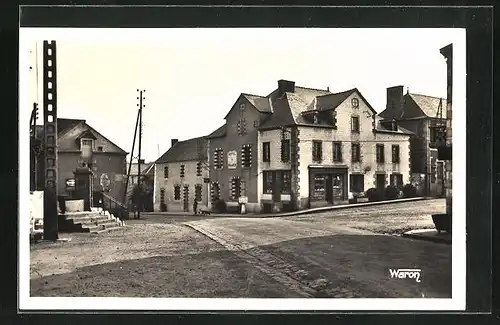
(343, 253)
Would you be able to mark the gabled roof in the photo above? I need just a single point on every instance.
(187, 150)
(66, 124)
(429, 104)
(219, 133)
(290, 108)
(262, 104)
(145, 168)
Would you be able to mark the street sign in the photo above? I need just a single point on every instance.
(243, 199)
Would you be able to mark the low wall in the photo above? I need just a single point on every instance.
(74, 206)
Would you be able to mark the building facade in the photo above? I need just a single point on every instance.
(425, 117)
(80, 145)
(303, 148)
(179, 176)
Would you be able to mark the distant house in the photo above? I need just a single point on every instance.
(425, 116)
(147, 177)
(179, 176)
(106, 160)
(300, 147)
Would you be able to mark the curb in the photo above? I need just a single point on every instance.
(301, 212)
(438, 240)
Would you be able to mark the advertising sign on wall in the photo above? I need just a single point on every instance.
(232, 159)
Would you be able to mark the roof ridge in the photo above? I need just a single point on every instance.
(427, 96)
(340, 92)
(312, 88)
(248, 94)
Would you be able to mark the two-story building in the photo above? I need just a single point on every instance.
(299, 147)
(425, 117)
(180, 175)
(77, 139)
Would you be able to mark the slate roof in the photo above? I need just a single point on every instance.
(145, 168)
(400, 130)
(261, 103)
(187, 150)
(429, 104)
(220, 132)
(65, 124)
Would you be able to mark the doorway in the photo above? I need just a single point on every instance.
(380, 182)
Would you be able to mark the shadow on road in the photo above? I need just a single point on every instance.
(343, 266)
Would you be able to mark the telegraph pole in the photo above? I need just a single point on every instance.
(139, 182)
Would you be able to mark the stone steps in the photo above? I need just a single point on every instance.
(94, 221)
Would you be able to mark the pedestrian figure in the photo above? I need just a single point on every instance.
(195, 206)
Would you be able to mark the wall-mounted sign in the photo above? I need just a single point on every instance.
(70, 184)
(232, 159)
(206, 180)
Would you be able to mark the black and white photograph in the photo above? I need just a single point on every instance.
(278, 168)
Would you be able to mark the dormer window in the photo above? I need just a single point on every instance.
(86, 142)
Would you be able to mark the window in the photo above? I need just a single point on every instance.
(356, 152)
(242, 106)
(396, 180)
(355, 102)
(215, 191)
(242, 127)
(165, 172)
(162, 196)
(266, 151)
(395, 153)
(317, 151)
(337, 151)
(100, 148)
(319, 188)
(198, 168)
(177, 192)
(86, 142)
(256, 123)
(246, 155)
(218, 158)
(355, 124)
(380, 153)
(197, 192)
(268, 182)
(357, 183)
(285, 150)
(183, 170)
(235, 188)
(286, 182)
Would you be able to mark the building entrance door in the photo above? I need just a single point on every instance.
(380, 182)
(329, 189)
(276, 187)
(337, 187)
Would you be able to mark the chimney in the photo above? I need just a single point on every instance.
(395, 101)
(174, 141)
(286, 86)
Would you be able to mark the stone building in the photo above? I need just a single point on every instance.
(75, 139)
(179, 176)
(425, 116)
(299, 147)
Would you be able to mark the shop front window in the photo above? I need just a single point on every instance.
(319, 187)
(268, 182)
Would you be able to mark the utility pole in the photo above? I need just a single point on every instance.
(139, 182)
(50, 215)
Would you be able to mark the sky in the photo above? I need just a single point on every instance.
(192, 77)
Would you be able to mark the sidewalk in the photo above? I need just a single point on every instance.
(429, 235)
(294, 213)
